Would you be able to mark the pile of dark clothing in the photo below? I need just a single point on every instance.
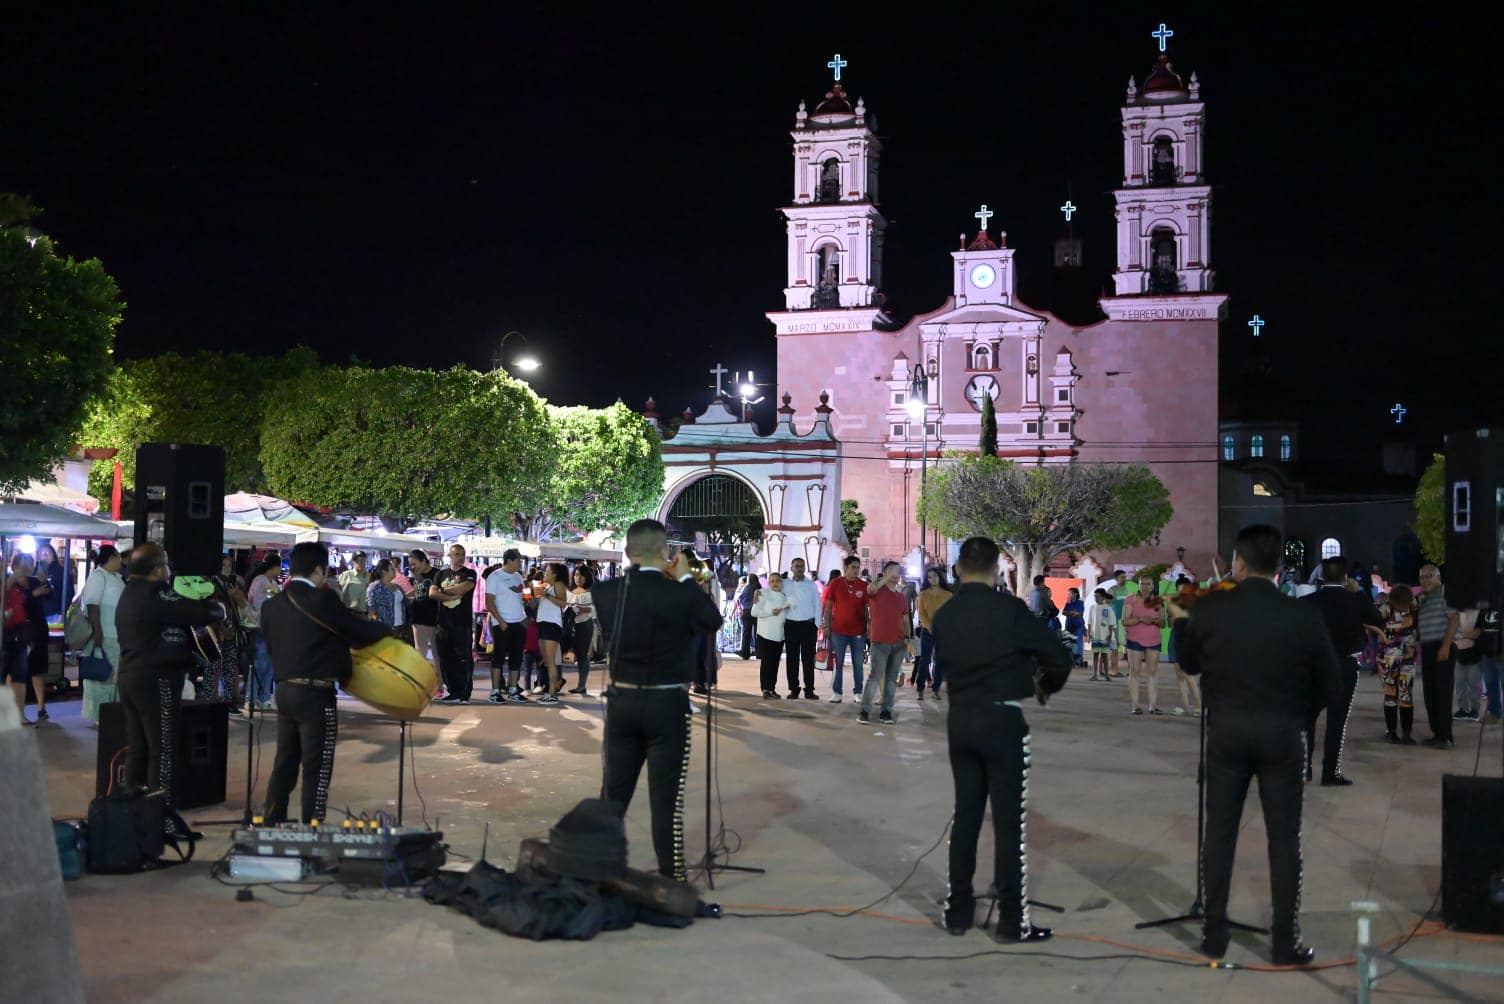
(563, 900)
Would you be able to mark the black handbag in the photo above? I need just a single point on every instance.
(94, 667)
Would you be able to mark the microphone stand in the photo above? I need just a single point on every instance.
(709, 863)
(1197, 910)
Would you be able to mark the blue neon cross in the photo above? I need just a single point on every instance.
(838, 62)
(1068, 209)
(1398, 411)
(1163, 34)
(1257, 324)
(984, 215)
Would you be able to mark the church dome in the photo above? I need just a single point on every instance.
(1164, 83)
(835, 107)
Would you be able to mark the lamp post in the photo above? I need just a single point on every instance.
(918, 405)
(525, 363)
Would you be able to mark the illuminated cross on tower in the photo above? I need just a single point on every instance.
(1398, 411)
(838, 62)
(1257, 324)
(1068, 209)
(1163, 34)
(719, 372)
(984, 215)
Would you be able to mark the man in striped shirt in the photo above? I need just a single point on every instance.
(1436, 626)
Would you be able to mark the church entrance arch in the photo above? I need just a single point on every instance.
(720, 515)
(763, 498)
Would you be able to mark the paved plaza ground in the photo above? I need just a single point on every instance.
(837, 813)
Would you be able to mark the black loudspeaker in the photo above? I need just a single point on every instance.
(180, 504)
(1472, 853)
(202, 753)
(1474, 512)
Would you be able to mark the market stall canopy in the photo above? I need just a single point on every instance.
(257, 533)
(33, 519)
(247, 507)
(52, 493)
(371, 542)
(552, 550)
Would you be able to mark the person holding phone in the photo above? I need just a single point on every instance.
(891, 639)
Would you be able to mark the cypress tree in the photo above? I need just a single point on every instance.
(988, 444)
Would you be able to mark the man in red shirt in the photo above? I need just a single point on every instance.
(845, 621)
(888, 613)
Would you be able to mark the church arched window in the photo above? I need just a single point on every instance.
(1162, 162)
(1256, 446)
(1164, 262)
(830, 181)
(1284, 447)
(827, 277)
(1331, 548)
(1229, 448)
(982, 358)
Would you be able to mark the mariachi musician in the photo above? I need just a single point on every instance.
(309, 633)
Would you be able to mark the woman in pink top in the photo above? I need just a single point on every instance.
(1143, 617)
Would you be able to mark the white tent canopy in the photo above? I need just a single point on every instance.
(52, 493)
(494, 546)
(370, 541)
(247, 507)
(31, 519)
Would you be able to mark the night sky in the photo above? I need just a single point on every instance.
(407, 190)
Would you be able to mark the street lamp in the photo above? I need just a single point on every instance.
(525, 363)
(918, 405)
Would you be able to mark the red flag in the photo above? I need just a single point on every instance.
(115, 494)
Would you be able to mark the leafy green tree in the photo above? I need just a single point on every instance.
(406, 443)
(1037, 512)
(57, 330)
(853, 522)
(208, 397)
(1430, 510)
(988, 444)
(606, 470)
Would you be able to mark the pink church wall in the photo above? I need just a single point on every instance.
(1166, 393)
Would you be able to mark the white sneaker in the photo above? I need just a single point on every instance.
(1179, 711)
(695, 709)
(835, 699)
(540, 690)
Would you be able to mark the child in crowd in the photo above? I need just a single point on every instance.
(1102, 623)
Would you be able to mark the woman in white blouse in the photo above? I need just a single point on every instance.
(583, 606)
(770, 607)
(101, 593)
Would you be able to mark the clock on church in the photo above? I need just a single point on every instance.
(983, 276)
(978, 386)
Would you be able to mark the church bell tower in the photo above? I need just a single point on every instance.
(834, 228)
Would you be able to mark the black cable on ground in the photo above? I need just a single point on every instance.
(860, 909)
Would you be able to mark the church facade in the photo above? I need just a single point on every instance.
(1138, 386)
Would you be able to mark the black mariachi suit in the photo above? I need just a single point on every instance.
(303, 649)
(154, 625)
(1261, 656)
(1344, 611)
(656, 648)
(989, 645)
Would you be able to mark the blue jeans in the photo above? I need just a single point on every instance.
(1491, 671)
(261, 676)
(839, 643)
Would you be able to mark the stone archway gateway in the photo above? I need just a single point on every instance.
(716, 467)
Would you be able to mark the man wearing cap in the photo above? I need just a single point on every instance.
(353, 582)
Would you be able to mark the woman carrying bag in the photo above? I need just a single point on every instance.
(101, 593)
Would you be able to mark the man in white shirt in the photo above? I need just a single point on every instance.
(504, 589)
(353, 582)
(799, 628)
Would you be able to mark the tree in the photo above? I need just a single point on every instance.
(406, 443)
(57, 329)
(606, 469)
(988, 445)
(1037, 512)
(853, 522)
(1430, 510)
(208, 398)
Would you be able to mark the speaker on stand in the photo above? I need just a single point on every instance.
(180, 504)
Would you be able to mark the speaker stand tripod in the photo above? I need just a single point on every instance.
(1197, 911)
